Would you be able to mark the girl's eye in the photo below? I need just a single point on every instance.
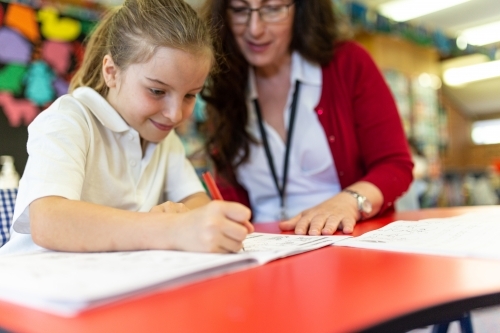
(156, 92)
(190, 96)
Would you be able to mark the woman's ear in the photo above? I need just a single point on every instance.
(109, 71)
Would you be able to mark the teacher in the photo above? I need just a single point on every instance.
(303, 128)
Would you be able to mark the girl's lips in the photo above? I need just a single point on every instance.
(161, 127)
(258, 47)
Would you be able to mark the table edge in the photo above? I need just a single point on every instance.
(444, 312)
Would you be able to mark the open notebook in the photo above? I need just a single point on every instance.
(68, 283)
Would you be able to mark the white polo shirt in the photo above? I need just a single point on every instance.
(312, 176)
(80, 148)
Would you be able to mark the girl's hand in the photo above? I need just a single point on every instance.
(170, 207)
(339, 212)
(218, 226)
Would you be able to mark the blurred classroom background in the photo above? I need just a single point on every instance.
(441, 60)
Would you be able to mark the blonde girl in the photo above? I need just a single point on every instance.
(106, 171)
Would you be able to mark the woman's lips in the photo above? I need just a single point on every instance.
(161, 127)
(258, 47)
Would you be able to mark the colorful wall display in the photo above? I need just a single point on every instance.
(41, 47)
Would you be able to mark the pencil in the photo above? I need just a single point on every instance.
(212, 187)
(213, 190)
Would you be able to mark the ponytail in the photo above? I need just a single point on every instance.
(90, 72)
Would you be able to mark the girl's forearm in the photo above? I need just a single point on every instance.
(68, 225)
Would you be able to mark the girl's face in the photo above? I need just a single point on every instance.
(262, 43)
(156, 96)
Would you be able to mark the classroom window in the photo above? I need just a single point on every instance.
(486, 132)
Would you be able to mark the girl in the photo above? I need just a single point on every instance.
(103, 158)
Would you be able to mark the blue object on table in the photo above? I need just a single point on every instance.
(7, 202)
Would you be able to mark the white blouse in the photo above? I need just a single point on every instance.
(312, 176)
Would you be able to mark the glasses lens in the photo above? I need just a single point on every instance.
(270, 14)
(239, 15)
(273, 13)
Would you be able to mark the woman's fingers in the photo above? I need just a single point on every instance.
(289, 224)
(318, 223)
(303, 225)
(348, 224)
(332, 224)
(321, 223)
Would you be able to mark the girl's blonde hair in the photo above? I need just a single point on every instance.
(133, 32)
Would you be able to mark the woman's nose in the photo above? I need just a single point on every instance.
(255, 24)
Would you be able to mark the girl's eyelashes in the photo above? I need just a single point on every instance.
(156, 92)
(159, 93)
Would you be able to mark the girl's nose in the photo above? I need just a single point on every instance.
(173, 112)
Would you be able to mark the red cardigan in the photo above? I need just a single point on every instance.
(362, 124)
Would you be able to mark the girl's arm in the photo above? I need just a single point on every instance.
(61, 224)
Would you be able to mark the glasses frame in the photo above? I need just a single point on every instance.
(258, 10)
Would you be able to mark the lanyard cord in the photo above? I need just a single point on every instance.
(270, 161)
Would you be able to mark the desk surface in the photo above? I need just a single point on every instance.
(334, 289)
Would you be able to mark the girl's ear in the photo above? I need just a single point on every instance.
(109, 71)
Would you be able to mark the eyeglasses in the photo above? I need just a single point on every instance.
(267, 13)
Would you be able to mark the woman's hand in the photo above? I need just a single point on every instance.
(216, 227)
(339, 212)
(170, 207)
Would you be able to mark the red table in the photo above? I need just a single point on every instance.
(333, 289)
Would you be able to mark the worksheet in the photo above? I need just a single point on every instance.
(469, 235)
(267, 247)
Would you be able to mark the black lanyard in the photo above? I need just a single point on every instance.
(270, 161)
